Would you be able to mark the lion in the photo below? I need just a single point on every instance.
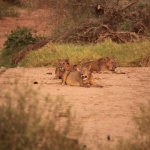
(60, 69)
(63, 65)
(102, 64)
(82, 78)
(69, 67)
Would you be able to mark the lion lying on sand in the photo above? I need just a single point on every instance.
(82, 78)
(102, 64)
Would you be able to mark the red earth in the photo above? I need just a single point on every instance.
(28, 18)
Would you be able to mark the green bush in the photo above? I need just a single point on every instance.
(29, 123)
(16, 41)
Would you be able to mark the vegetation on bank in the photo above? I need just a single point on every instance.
(88, 30)
(35, 51)
(128, 54)
(17, 40)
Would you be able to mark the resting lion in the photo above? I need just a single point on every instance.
(82, 78)
(60, 69)
(102, 64)
(62, 66)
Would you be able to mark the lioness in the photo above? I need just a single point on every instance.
(102, 64)
(60, 69)
(80, 78)
(63, 65)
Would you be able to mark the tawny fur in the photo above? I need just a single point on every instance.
(102, 64)
(63, 65)
(60, 69)
(80, 78)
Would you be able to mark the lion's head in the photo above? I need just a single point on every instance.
(111, 64)
(62, 63)
(107, 64)
(60, 69)
(85, 72)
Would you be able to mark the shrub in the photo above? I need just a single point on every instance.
(29, 123)
(16, 41)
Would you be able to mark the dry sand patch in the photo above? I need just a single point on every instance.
(102, 112)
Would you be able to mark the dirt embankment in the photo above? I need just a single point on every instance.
(35, 19)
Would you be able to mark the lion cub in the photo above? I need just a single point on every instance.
(102, 64)
(63, 65)
(82, 78)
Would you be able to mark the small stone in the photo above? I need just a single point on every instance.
(35, 82)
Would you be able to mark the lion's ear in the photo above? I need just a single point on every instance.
(88, 67)
(74, 66)
(67, 60)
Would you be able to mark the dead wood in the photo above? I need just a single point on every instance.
(17, 57)
(95, 33)
(129, 5)
(114, 24)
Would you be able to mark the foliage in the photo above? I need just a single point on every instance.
(122, 22)
(7, 11)
(16, 41)
(27, 122)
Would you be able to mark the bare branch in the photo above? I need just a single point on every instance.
(129, 5)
